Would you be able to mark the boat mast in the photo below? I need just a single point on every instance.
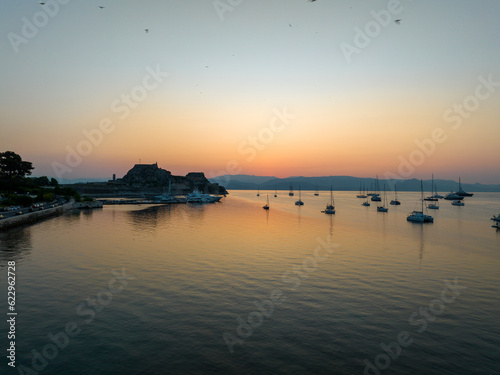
(422, 195)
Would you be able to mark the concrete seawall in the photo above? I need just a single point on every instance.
(31, 217)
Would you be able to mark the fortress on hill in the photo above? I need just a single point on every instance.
(149, 179)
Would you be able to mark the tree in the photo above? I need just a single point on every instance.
(12, 166)
(41, 181)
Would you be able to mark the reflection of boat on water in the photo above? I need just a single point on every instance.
(198, 197)
(458, 203)
(419, 216)
(330, 208)
(266, 207)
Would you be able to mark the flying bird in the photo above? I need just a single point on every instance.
(42, 3)
(101, 7)
(146, 30)
(398, 21)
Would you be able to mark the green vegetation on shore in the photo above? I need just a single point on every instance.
(18, 189)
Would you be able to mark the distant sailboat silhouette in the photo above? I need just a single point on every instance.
(330, 208)
(383, 208)
(299, 202)
(395, 201)
(266, 207)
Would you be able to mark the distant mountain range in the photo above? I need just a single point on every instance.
(249, 182)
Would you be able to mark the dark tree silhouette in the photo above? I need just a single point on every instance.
(12, 166)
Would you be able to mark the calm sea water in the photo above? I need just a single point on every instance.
(230, 288)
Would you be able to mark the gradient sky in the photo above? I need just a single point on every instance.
(228, 75)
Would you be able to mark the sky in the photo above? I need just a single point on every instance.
(399, 89)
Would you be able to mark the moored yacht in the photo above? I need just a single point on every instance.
(361, 192)
(395, 201)
(419, 216)
(452, 197)
(461, 191)
(330, 208)
(166, 197)
(198, 197)
(299, 202)
(266, 207)
(383, 208)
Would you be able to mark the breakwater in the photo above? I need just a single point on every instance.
(31, 217)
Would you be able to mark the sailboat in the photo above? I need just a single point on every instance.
(366, 203)
(395, 201)
(299, 202)
(371, 193)
(418, 216)
(496, 221)
(453, 196)
(431, 198)
(266, 207)
(433, 206)
(376, 195)
(258, 191)
(275, 191)
(330, 208)
(461, 192)
(291, 191)
(361, 193)
(317, 192)
(166, 197)
(383, 208)
(434, 192)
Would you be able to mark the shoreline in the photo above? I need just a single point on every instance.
(33, 217)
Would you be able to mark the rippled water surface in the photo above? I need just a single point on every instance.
(230, 288)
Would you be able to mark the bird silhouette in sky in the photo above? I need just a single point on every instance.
(398, 21)
(146, 30)
(101, 7)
